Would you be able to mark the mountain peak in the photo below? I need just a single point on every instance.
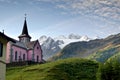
(74, 36)
(84, 38)
(42, 39)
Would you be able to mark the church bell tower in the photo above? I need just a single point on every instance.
(24, 37)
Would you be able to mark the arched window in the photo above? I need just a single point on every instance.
(23, 57)
(37, 58)
(16, 55)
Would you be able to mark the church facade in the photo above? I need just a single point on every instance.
(24, 49)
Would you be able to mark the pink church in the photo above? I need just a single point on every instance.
(24, 49)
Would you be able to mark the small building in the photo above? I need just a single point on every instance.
(3, 44)
(24, 50)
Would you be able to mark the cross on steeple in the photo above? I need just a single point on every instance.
(25, 16)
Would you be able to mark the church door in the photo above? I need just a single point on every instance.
(37, 58)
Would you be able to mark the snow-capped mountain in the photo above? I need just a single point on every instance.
(42, 39)
(74, 36)
(51, 46)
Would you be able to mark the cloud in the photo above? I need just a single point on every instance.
(104, 8)
(109, 9)
(105, 11)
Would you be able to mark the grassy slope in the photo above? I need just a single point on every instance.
(104, 54)
(114, 58)
(68, 69)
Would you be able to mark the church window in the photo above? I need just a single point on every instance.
(1, 49)
(16, 55)
(23, 56)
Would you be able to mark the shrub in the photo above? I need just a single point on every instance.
(109, 71)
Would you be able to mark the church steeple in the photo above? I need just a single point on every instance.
(25, 29)
(25, 37)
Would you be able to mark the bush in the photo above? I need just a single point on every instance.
(109, 71)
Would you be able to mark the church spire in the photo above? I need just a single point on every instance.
(25, 30)
(25, 35)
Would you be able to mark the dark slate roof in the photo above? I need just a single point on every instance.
(20, 44)
(8, 38)
(27, 46)
(31, 44)
(25, 30)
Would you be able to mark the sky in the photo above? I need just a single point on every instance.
(60, 17)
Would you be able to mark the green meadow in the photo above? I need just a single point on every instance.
(67, 69)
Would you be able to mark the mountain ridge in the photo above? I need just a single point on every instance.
(51, 46)
(98, 47)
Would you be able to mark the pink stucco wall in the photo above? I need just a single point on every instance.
(21, 51)
(30, 52)
(37, 52)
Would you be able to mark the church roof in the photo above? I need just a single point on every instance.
(21, 44)
(31, 44)
(25, 30)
